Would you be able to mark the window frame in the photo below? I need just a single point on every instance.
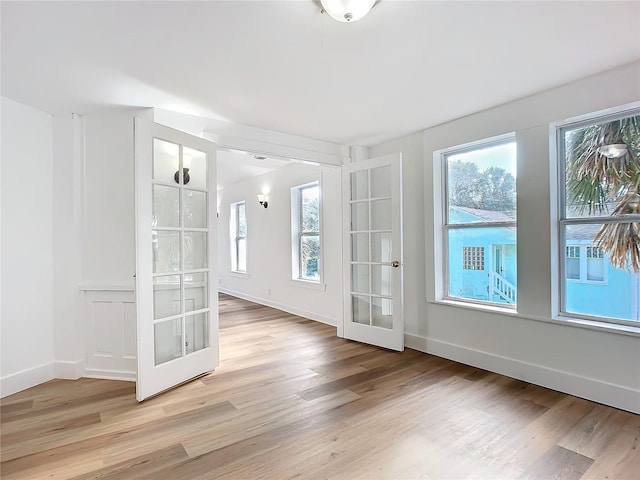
(441, 156)
(560, 222)
(236, 237)
(298, 233)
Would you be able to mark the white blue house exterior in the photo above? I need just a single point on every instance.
(482, 266)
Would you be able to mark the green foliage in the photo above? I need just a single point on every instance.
(492, 189)
(599, 185)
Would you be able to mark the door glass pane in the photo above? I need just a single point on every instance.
(360, 216)
(359, 185)
(382, 313)
(196, 288)
(166, 251)
(195, 250)
(360, 247)
(167, 339)
(381, 247)
(381, 214)
(381, 280)
(360, 309)
(381, 182)
(195, 209)
(360, 278)
(166, 160)
(166, 296)
(195, 163)
(166, 206)
(196, 332)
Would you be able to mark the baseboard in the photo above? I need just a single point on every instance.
(69, 370)
(590, 388)
(26, 379)
(285, 308)
(110, 375)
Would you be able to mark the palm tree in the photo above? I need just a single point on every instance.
(603, 182)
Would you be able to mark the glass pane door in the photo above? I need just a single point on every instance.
(371, 246)
(179, 246)
(372, 212)
(176, 299)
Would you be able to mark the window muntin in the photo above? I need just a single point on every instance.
(480, 222)
(305, 229)
(599, 215)
(238, 229)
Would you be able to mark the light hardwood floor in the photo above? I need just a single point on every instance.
(291, 400)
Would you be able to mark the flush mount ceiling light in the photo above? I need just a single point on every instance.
(615, 150)
(347, 10)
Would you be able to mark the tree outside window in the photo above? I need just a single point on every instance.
(600, 208)
(306, 232)
(480, 227)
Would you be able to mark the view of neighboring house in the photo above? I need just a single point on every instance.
(483, 267)
(483, 260)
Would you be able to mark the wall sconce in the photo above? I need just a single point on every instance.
(186, 163)
(262, 200)
(185, 176)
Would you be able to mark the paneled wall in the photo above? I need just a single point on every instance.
(110, 334)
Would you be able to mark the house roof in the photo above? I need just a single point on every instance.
(489, 215)
(579, 232)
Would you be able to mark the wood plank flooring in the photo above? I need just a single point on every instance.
(291, 400)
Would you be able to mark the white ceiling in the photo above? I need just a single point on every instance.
(234, 167)
(284, 66)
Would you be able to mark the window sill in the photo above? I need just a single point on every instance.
(244, 275)
(321, 287)
(596, 325)
(476, 306)
(557, 320)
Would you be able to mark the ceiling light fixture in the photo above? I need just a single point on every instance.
(614, 150)
(347, 10)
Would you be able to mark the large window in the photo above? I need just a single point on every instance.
(305, 230)
(238, 229)
(480, 222)
(599, 217)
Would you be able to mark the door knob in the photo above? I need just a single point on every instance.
(395, 264)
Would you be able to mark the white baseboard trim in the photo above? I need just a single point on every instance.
(110, 375)
(69, 370)
(31, 377)
(590, 388)
(285, 308)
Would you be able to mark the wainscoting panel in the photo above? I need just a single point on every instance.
(110, 334)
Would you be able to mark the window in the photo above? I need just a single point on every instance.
(238, 229)
(305, 232)
(479, 231)
(599, 216)
(585, 263)
(473, 258)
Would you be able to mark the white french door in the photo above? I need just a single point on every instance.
(372, 215)
(176, 298)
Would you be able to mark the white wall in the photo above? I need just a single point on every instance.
(269, 243)
(27, 324)
(599, 365)
(109, 233)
